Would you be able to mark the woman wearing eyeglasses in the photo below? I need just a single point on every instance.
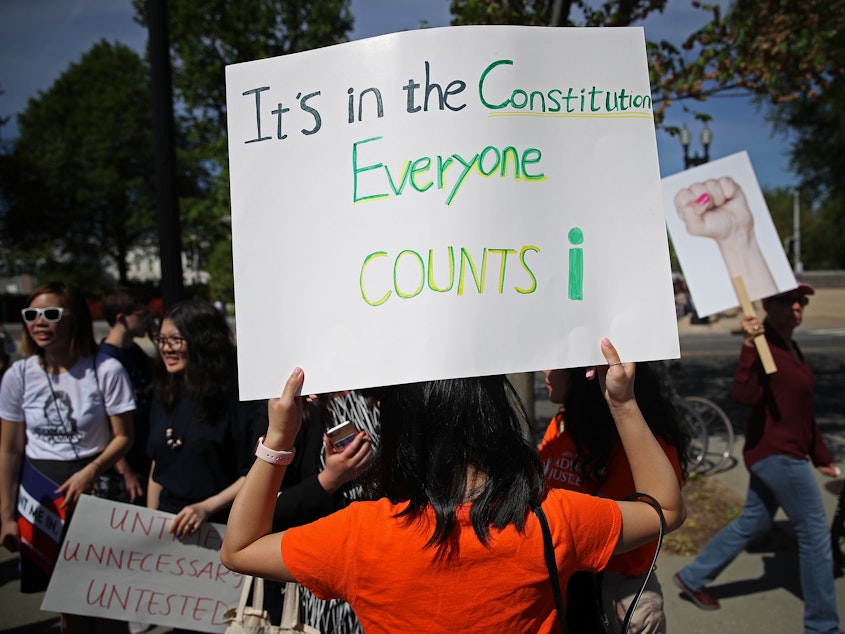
(781, 434)
(65, 410)
(199, 438)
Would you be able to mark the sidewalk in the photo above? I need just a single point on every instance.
(759, 591)
(826, 311)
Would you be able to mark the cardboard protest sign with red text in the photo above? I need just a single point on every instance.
(120, 561)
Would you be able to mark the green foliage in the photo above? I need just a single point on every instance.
(219, 266)
(823, 239)
(780, 203)
(779, 50)
(559, 12)
(822, 228)
(207, 36)
(77, 185)
(204, 38)
(493, 12)
(819, 131)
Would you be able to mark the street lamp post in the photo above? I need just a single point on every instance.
(691, 160)
(797, 263)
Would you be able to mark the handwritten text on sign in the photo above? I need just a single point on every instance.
(121, 561)
(416, 206)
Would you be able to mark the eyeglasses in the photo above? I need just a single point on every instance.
(174, 343)
(51, 314)
(801, 299)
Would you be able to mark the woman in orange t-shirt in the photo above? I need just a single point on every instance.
(581, 451)
(449, 541)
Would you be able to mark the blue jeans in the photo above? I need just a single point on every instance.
(779, 481)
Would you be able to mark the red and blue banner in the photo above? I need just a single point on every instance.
(40, 518)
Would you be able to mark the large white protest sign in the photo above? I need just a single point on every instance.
(120, 561)
(443, 203)
(721, 228)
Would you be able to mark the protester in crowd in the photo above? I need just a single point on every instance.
(126, 310)
(317, 483)
(199, 439)
(780, 435)
(683, 305)
(67, 411)
(581, 451)
(199, 431)
(453, 485)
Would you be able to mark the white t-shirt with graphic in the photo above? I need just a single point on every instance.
(66, 415)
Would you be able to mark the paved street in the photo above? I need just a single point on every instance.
(759, 591)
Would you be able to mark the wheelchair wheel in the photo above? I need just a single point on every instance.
(719, 432)
(697, 431)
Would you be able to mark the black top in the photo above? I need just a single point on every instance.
(302, 498)
(213, 454)
(139, 367)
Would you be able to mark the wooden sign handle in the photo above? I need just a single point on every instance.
(759, 341)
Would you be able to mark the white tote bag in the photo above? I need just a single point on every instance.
(253, 619)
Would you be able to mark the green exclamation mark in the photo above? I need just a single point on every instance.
(576, 265)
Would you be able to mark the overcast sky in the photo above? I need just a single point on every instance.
(40, 38)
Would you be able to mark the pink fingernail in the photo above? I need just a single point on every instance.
(703, 199)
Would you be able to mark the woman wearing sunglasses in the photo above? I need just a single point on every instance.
(783, 443)
(199, 438)
(67, 411)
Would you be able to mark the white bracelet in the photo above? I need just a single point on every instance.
(273, 457)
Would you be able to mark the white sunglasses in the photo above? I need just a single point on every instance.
(51, 314)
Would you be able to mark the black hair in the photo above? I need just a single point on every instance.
(434, 434)
(210, 377)
(122, 299)
(590, 424)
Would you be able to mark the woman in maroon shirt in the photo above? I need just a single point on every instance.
(781, 435)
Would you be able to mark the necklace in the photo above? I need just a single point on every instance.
(70, 434)
(173, 440)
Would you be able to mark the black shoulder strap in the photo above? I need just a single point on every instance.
(549, 551)
(553, 575)
(646, 498)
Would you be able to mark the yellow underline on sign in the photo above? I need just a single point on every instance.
(603, 115)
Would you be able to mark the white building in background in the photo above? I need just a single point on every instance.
(143, 265)
(17, 284)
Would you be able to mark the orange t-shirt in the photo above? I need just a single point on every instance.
(558, 453)
(379, 565)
